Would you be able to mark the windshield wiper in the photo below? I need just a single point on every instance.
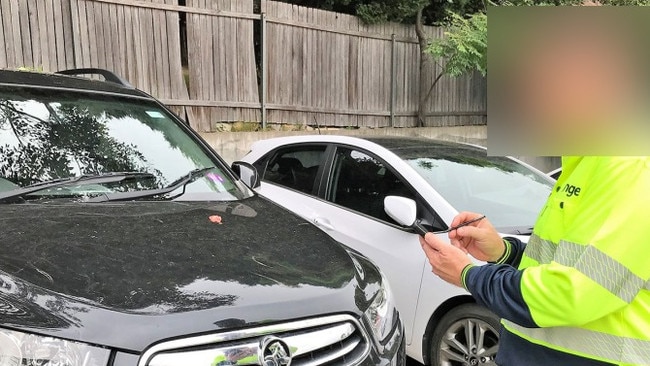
(182, 182)
(112, 177)
(524, 230)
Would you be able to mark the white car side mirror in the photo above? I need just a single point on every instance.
(404, 211)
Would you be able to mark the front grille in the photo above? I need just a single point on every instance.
(335, 344)
(332, 340)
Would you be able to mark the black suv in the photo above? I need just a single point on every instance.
(125, 240)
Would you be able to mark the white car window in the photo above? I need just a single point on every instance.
(295, 167)
(360, 182)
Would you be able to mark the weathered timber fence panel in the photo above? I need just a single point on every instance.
(221, 62)
(139, 40)
(317, 67)
(36, 34)
(332, 68)
(326, 74)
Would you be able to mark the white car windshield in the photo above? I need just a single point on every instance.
(507, 192)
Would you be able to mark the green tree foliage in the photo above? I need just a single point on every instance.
(464, 47)
(380, 11)
(571, 2)
(402, 11)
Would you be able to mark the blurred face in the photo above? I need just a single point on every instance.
(577, 84)
(577, 79)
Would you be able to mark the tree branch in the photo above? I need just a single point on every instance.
(422, 43)
(11, 124)
(435, 81)
(13, 129)
(419, 29)
(13, 109)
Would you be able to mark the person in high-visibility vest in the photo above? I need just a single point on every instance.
(579, 292)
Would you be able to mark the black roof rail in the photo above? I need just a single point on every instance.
(108, 75)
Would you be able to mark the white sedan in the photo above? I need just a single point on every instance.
(340, 184)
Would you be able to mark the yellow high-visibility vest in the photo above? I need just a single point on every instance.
(586, 268)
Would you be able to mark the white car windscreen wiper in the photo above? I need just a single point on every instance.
(128, 196)
(516, 230)
(113, 177)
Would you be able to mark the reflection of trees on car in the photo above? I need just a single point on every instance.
(477, 160)
(237, 356)
(71, 141)
(180, 241)
(55, 312)
(425, 164)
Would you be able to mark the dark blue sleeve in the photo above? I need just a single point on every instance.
(514, 252)
(498, 288)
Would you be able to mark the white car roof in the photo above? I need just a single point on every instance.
(261, 147)
(364, 141)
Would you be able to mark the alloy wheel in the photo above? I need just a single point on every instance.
(469, 342)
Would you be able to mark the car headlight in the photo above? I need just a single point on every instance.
(381, 313)
(24, 349)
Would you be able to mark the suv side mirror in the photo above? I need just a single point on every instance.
(404, 211)
(247, 173)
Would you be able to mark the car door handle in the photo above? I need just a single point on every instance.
(324, 223)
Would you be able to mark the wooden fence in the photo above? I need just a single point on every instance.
(315, 67)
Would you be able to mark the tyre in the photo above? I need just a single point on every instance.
(467, 335)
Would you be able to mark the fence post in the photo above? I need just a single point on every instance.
(393, 72)
(263, 62)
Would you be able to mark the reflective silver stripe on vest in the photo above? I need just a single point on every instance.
(596, 344)
(590, 261)
(539, 249)
(600, 268)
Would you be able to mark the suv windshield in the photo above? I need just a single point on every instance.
(124, 144)
(507, 192)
